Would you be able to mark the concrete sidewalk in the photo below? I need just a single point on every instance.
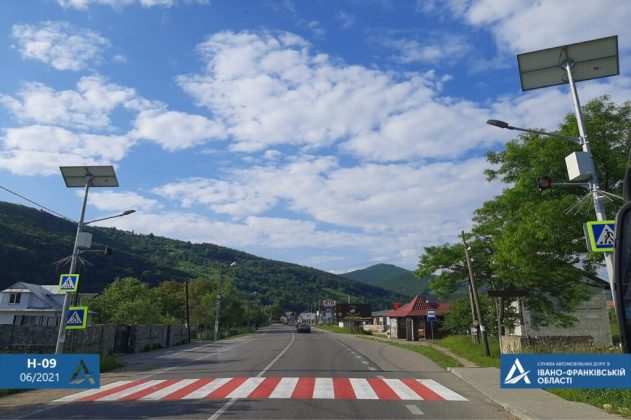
(527, 403)
(522, 403)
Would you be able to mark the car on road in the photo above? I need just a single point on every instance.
(303, 328)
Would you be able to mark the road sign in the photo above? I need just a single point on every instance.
(602, 235)
(431, 315)
(328, 303)
(77, 318)
(68, 283)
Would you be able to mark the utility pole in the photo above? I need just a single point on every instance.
(476, 300)
(188, 318)
(218, 304)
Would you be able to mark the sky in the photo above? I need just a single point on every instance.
(336, 134)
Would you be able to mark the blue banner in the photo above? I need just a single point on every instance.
(565, 371)
(25, 371)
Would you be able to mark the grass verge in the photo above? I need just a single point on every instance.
(619, 399)
(464, 347)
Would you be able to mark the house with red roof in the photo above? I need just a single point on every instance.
(410, 321)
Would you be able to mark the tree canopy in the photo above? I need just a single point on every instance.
(533, 240)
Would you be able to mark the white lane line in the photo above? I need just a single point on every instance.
(402, 390)
(441, 390)
(364, 362)
(358, 356)
(246, 388)
(362, 389)
(168, 390)
(229, 404)
(132, 390)
(323, 388)
(79, 395)
(414, 410)
(207, 389)
(371, 368)
(285, 388)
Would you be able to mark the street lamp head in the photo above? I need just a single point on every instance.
(126, 212)
(233, 264)
(498, 123)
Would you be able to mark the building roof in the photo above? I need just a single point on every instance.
(42, 292)
(418, 306)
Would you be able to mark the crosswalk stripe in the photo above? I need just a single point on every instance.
(304, 388)
(122, 394)
(246, 388)
(285, 388)
(230, 386)
(362, 389)
(168, 390)
(206, 389)
(383, 391)
(188, 389)
(442, 390)
(266, 388)
(129, 384)
(343, 389)
(89, 392)
(402, 390)
(323, 389)
(269, 387)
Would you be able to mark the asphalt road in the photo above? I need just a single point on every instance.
(275, 373)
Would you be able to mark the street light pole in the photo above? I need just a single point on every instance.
(61, 335)
(218, 304)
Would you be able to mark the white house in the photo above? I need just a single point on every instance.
(31, 304)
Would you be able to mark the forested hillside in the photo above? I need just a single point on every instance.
(393, 278)
(32, 240)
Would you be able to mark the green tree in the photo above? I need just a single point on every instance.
(529, 240)
(126, 301)
(169, 296)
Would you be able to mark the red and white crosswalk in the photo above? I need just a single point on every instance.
(269, 387)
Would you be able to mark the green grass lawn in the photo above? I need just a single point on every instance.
(463, 346)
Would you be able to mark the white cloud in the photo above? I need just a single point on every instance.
(119, 201)
(446, 49)
(40, 149)
(269, 89)
(119, 4)
(59, 44)
(87, 107)
(371, 197)
(347, 20)
(176, 130)
(522, 26)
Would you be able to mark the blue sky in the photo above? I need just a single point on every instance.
(333, 134)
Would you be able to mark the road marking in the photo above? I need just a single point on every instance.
(364, 362)
(402, 390)
(229, 404)
(323, 388)
(441, 390)
(285, 388)
(258, 387)
(414, 410)
(371, 368)
(362, 389)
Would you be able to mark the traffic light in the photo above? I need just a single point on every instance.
(544, 182)
(107, 251)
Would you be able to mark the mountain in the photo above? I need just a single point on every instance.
(32, 240)
(391, 277)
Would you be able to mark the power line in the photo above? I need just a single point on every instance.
(38, 205)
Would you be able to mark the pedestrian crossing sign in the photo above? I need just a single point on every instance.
(602, 235)
(68, 283)
(77, 318)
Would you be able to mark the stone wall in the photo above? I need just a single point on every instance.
(100, 339)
